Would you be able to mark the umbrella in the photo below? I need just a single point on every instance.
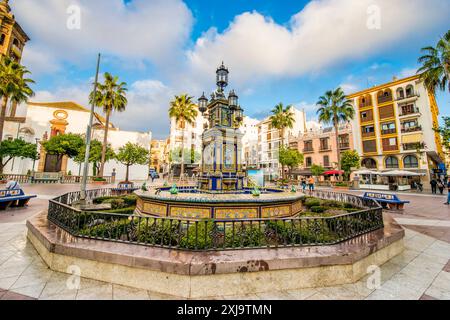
(366, 171)
(333, 172)
(400, 173)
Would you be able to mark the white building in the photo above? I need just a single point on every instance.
(37, 121)
(269, 142)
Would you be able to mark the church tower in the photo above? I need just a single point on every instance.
(12, 36)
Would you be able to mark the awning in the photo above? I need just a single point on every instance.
(368, 172)
(401, 173)
(333, 172)
(412, 138)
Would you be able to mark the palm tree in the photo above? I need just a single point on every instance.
(184, 111)
(281, 119)
(14, 86)
(435, 69)
(335, 108)
(111, 96)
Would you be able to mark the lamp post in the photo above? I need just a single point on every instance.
(88, 136)
(34, 160)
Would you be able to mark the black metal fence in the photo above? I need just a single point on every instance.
(186, 234)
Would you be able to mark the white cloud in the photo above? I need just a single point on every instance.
(324, 33)
(407, 72)
(153, 31)
(147, 107)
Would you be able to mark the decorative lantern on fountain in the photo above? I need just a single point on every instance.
(221, 141)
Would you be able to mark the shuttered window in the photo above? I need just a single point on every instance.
(369, 146)
(386, 112)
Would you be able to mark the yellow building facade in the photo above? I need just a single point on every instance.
(394, 127)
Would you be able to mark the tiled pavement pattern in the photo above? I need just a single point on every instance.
(422, 271)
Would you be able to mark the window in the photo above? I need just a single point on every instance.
(391, 162)
(386, 112)
(409, 91)
(308, 162)
(408, 109)
(2, 39)
(326, 161)
(410, 162)
(308, 146)
(324, 144)
(388, 128)
(366, 116)
(384, 96)
(368, 131)
(369, 146)
(400, 93)
(369, 163)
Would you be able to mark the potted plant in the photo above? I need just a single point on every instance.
(99, 181)
(342, 185)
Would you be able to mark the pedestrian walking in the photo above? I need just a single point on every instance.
(441, 186)
(311, 183)
(303, 185)
(448, 194)
(433, 183)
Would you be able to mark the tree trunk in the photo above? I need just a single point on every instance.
(127, 173)
(182, 155)
(279, 148)
(336, 128)
(3, 116)
(105, 144)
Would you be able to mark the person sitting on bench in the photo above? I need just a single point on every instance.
(12, 185)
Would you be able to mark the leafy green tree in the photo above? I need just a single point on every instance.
(444, 131)
(291, 158)
(184, 111)
(317, 170)
(95, 154)
(14, 86)
(281, 119)
(435, 69)
(111, 96)
(68, 144)
(349, 159)
(175, 155)
(17, 148)
(335, 108)
(132, 154)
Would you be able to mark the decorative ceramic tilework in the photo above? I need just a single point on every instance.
(155, 208)
(297, 207)
(236, 213)
(190, 212)
(282, 211)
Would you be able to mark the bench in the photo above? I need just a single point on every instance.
(46, 177)
(387, 201)
(14, 198)
(124, 188)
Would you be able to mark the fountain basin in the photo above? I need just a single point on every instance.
(193, 203)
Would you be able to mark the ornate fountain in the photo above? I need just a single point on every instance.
(221, 192)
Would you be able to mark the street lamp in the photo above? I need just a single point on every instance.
(202, 103)
(239, 114)
(233, 100)
(222, 77)
(34, 160)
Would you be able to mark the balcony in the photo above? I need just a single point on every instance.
(324, 148)
(388, 131)
(344, 145)
(412, 129)
(383, 99)
(368, 134)
(408, 111)
(412, 96)
(308, 150)
(390, 148)
(413, 146)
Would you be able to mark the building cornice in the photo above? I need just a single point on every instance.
(383, 86)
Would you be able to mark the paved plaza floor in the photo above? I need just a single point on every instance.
(422, 271)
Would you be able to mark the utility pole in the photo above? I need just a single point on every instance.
(88, 136)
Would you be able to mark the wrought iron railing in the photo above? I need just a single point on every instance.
(195, 235)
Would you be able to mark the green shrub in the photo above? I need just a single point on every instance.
(312, 202)
(126, 211)
(130, 200)
(341, 184)
(348, 205)
(332, 204)
(245, 236)
(159, 232)
(200, 235)
(116, 203)
(116, 229)
(102, 199)
(318, 209)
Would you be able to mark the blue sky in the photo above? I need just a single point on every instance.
(277, 51)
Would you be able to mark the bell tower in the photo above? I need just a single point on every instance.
(12, 40)
(12, 36)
